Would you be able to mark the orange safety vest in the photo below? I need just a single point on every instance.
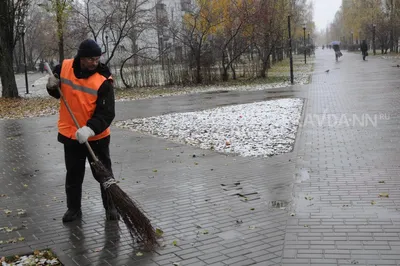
(81, 95)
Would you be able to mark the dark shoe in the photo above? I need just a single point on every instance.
(112, 214)
(72, 215)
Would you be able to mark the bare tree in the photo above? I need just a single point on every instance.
(196, 32)
(96, 16)
(268, 31)
(12, 15)
(235, 34)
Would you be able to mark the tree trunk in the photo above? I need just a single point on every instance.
(263, 72)
(233, 72)
(60, 30)
(274, 55)
(198, 68)
(225, 75)
(128, 86)
(265, 66)
(9, 86)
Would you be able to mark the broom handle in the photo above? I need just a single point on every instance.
(72, 114)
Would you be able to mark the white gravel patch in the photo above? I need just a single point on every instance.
(255, 129)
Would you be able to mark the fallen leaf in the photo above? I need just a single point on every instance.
(21, 212)
(306, 225)
(159, 232)
(384, 195)
(155, 170)
(373, 202)
(252, 209)
(27, 107)
(175, 243)
(139, 254)
(198, 226)
(21, 239)
(205, 232)
(25, 185)
(252, 227)
(7, 212)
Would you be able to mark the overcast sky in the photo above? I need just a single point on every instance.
(324, 12)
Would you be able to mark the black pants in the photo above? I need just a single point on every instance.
(75, 160)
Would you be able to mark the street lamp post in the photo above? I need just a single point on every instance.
(305, 51)
(373, 38)
(23, 48)
(290, 52)
(352, 38)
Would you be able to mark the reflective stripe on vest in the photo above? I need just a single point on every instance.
(81, 95)
(77, 87)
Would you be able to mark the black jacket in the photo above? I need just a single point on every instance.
(364, 47)
(105, 105)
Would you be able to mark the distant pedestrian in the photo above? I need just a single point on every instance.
(336, 48)
(41, 66)
(364, 49)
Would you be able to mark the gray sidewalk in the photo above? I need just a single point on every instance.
(349, 167)
(339, 168)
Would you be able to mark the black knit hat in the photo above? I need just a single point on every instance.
(89, 48)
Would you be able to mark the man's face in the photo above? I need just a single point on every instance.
(90, 63)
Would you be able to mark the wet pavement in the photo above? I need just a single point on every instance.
(317, 205)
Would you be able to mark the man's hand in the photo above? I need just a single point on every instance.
(83, 134)
(53, 83)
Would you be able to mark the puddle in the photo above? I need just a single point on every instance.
(303, 174)
(229, 235)
(217, 92)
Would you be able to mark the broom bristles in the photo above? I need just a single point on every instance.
(133, 216)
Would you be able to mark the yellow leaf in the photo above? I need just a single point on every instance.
(159, 232)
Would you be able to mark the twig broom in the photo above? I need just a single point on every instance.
(132, 215)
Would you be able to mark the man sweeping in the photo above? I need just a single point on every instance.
(87, 86)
